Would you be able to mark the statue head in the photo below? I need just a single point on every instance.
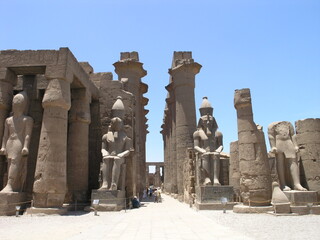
(20, 102)
(118, 108)
(206, 108)
(242, 98)
(117, 112)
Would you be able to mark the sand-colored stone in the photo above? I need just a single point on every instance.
(255, 178)
(308, 141)
(283, 145)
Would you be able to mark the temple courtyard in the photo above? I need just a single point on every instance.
(169, 219)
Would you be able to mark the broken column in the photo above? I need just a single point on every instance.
(255, 178)
(50, 184)
(183, 82)
(308, 140)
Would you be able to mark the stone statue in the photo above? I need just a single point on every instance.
(116, 145)
(208, 143)
(283, 145)
(15, 143)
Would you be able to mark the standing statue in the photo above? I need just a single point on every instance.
(15, 143)
(116, 145)
(208, 143)
(283, 145)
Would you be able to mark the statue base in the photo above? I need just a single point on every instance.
(9, 201)
(209, 197)
(281, 208)
(240, 208)
(47, 211)
(302, 198)
(48, 200)
(109, 200)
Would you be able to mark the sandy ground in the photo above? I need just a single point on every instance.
(167, 220)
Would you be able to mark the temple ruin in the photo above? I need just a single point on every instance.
(75, 139)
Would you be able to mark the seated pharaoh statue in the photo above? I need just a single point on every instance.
(15, 143)
(283, 145)
(208, 145)
(116, 145)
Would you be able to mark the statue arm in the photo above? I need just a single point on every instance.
(29, 126)
(219, 138)
(104, 151)
(196, 143)
(295, 144)
(127, 147)
(3, 150)
(272, 139)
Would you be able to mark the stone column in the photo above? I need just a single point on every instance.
(78, 144)
(255, 177)
(183, 79)
(129, 67)
(7, 80)
(50, 184)
(308, 140)
(234, 174)
(147, 175)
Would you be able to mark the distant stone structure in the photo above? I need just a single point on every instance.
(179, 120)
(156, 179)
(255, 177)
(71, 108)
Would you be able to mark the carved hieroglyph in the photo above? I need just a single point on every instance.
(116, 145)
(283, 145)
(208, 144)
(255, 178)
(15, 143)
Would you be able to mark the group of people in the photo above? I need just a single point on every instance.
(151, 192)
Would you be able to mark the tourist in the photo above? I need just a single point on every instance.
(145, 193)
(135, 202)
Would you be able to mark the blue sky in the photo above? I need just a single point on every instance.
(269, 46)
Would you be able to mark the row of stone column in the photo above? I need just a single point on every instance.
(179, 119)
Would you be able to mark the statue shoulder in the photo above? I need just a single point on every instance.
(28, 119)
(196, 134)
(218, 134)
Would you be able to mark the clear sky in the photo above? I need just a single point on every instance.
(269, 46)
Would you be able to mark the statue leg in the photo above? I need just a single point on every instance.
(116, 173)
(12, 175)
(216, 170)
(294, 170)
(280, 160)
(206, 168)
(104, 174)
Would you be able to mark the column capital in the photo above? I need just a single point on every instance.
(184, 74)
(57, 94)
(124, 68)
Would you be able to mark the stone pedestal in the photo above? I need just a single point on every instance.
(301, 198)
(9, 201)
(47, 211)
(109, 200)
(209, 197)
